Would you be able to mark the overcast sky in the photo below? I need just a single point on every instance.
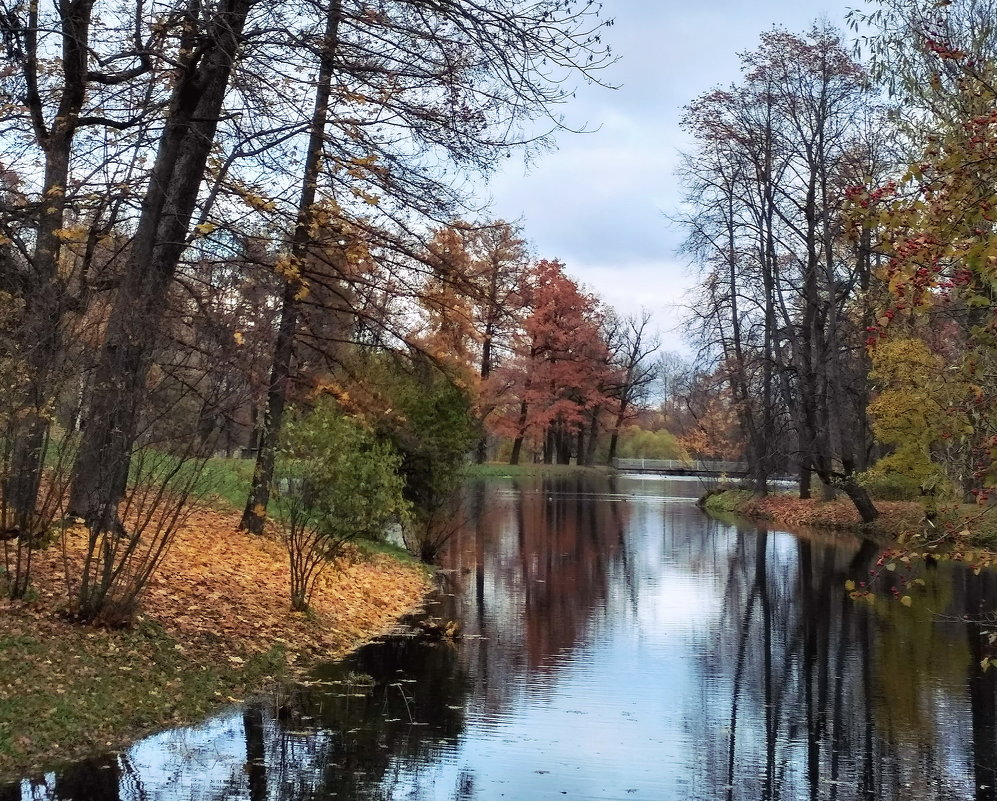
(599, 202)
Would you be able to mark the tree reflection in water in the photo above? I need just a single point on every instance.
(616, 643)
(832, 699)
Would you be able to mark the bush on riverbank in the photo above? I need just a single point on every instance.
(214, 626)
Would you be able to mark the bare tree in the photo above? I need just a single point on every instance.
(632, 349)
(780, 282)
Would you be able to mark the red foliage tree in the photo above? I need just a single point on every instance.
(560, 372)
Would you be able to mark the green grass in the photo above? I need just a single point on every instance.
(726, 501)
(226, 481)
(377, 548)
(67, 692)
(493, 469)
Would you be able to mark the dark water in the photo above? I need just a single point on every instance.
(617, 644)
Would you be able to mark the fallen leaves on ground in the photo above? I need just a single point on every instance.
(229, 586)
(895, 516)
(212, 619)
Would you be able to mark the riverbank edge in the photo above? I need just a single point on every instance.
(897, 519)
(70, 692)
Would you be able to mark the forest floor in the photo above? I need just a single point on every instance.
(976, 525)
(215, 626)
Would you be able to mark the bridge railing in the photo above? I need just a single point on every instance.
(680, 466)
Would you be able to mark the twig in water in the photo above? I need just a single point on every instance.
(405, 699)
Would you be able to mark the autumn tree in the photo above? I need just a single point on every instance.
(714, 431)
(934, 227)
(55, 93)
(209, 43)
(916, 413)
(559, 375)
(475, 300)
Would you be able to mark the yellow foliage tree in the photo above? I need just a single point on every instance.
(916, 412)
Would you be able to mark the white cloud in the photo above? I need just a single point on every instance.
(599, 203)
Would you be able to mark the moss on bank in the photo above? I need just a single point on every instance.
(215, 627)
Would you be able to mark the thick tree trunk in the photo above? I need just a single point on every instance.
(562, 445)
(593, 439)
(101, 469)
(614, 439)
(40, 337)
(806, 482)
(254, 515)
(859, 496)
(481, 450)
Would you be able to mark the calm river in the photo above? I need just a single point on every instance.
(616, 644)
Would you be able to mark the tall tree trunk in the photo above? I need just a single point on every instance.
(517, 444)
(593, 439)
(101, 469)
(40, 336)
(614, 439)
(562, 442)
(254, 515)
(481, 450)
(806, 482)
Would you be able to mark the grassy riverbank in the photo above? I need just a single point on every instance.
(967, 522)
(496, 470)
(215, 627)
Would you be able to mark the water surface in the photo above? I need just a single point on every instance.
(616, 644)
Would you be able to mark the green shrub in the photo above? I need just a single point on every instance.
(335, 481)
(893, 486)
